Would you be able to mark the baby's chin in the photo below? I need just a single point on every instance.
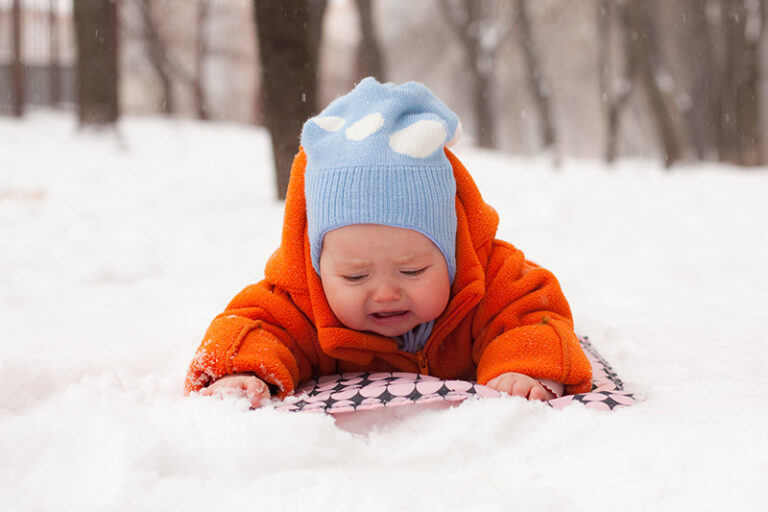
(390, 333)
(393, 327)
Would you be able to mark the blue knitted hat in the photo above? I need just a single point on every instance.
(375, 156)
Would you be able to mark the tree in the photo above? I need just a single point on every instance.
(740, 141)
(643, 67)
(640, 30)
(471, 22)
(714, 81)
(614, 96)
(54, 62)
(158, 58)
(162, 51)
(97, 71)
(702, 77)
(17, 68)
(482, 27)
(198, 83)
(540, 90)
(370, 62)
(289, 33)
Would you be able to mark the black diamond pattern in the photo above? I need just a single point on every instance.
(364, 379)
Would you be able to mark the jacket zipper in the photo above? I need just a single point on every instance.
(423, 365)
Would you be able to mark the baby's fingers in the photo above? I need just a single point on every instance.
(517, 384)
(521, 388)
(257, 391)
(501, 383)
(537, 393)
(506, 383)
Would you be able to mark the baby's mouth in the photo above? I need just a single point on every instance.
(387, 322)
(389, 314)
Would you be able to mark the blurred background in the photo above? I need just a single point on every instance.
(676, 81)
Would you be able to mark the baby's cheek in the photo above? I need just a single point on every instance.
(348, 308)
(434, 300)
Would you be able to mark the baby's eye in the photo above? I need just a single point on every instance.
(415, 272)
(354, 278)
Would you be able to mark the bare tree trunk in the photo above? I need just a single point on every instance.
(740, 137)
(641, 33)
(97, 71)
(55, 57)
(615, 91)
(156, 50)
(536, 81)
(314, 28)
(369, 59)
(703, 72)
(748, 89)
(733, 14)
(289, 33)
(604, 23)
(481, 91)
(201, 50)
(463, 18)
(17, 68)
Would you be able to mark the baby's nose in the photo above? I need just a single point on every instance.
(386, 291)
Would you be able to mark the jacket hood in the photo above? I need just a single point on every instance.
(290, 267)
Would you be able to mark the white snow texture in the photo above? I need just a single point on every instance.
(117, 251)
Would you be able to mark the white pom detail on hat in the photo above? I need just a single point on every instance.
(329, 123)
(420, 139)
(365, 127)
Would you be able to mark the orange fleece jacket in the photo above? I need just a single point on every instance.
(505, 314)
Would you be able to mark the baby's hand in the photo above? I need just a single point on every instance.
(244, 385)
(517, 384)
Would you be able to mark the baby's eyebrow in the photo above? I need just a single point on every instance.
(353, 264)
(412, 258)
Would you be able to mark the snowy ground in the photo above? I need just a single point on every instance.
(115, 255)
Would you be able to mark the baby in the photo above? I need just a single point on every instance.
(389, 262)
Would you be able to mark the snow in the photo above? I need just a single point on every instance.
(117, 251)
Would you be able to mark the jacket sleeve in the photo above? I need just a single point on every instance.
(261, 331)
(524, 325)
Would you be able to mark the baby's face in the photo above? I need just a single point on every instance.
(383, 279)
